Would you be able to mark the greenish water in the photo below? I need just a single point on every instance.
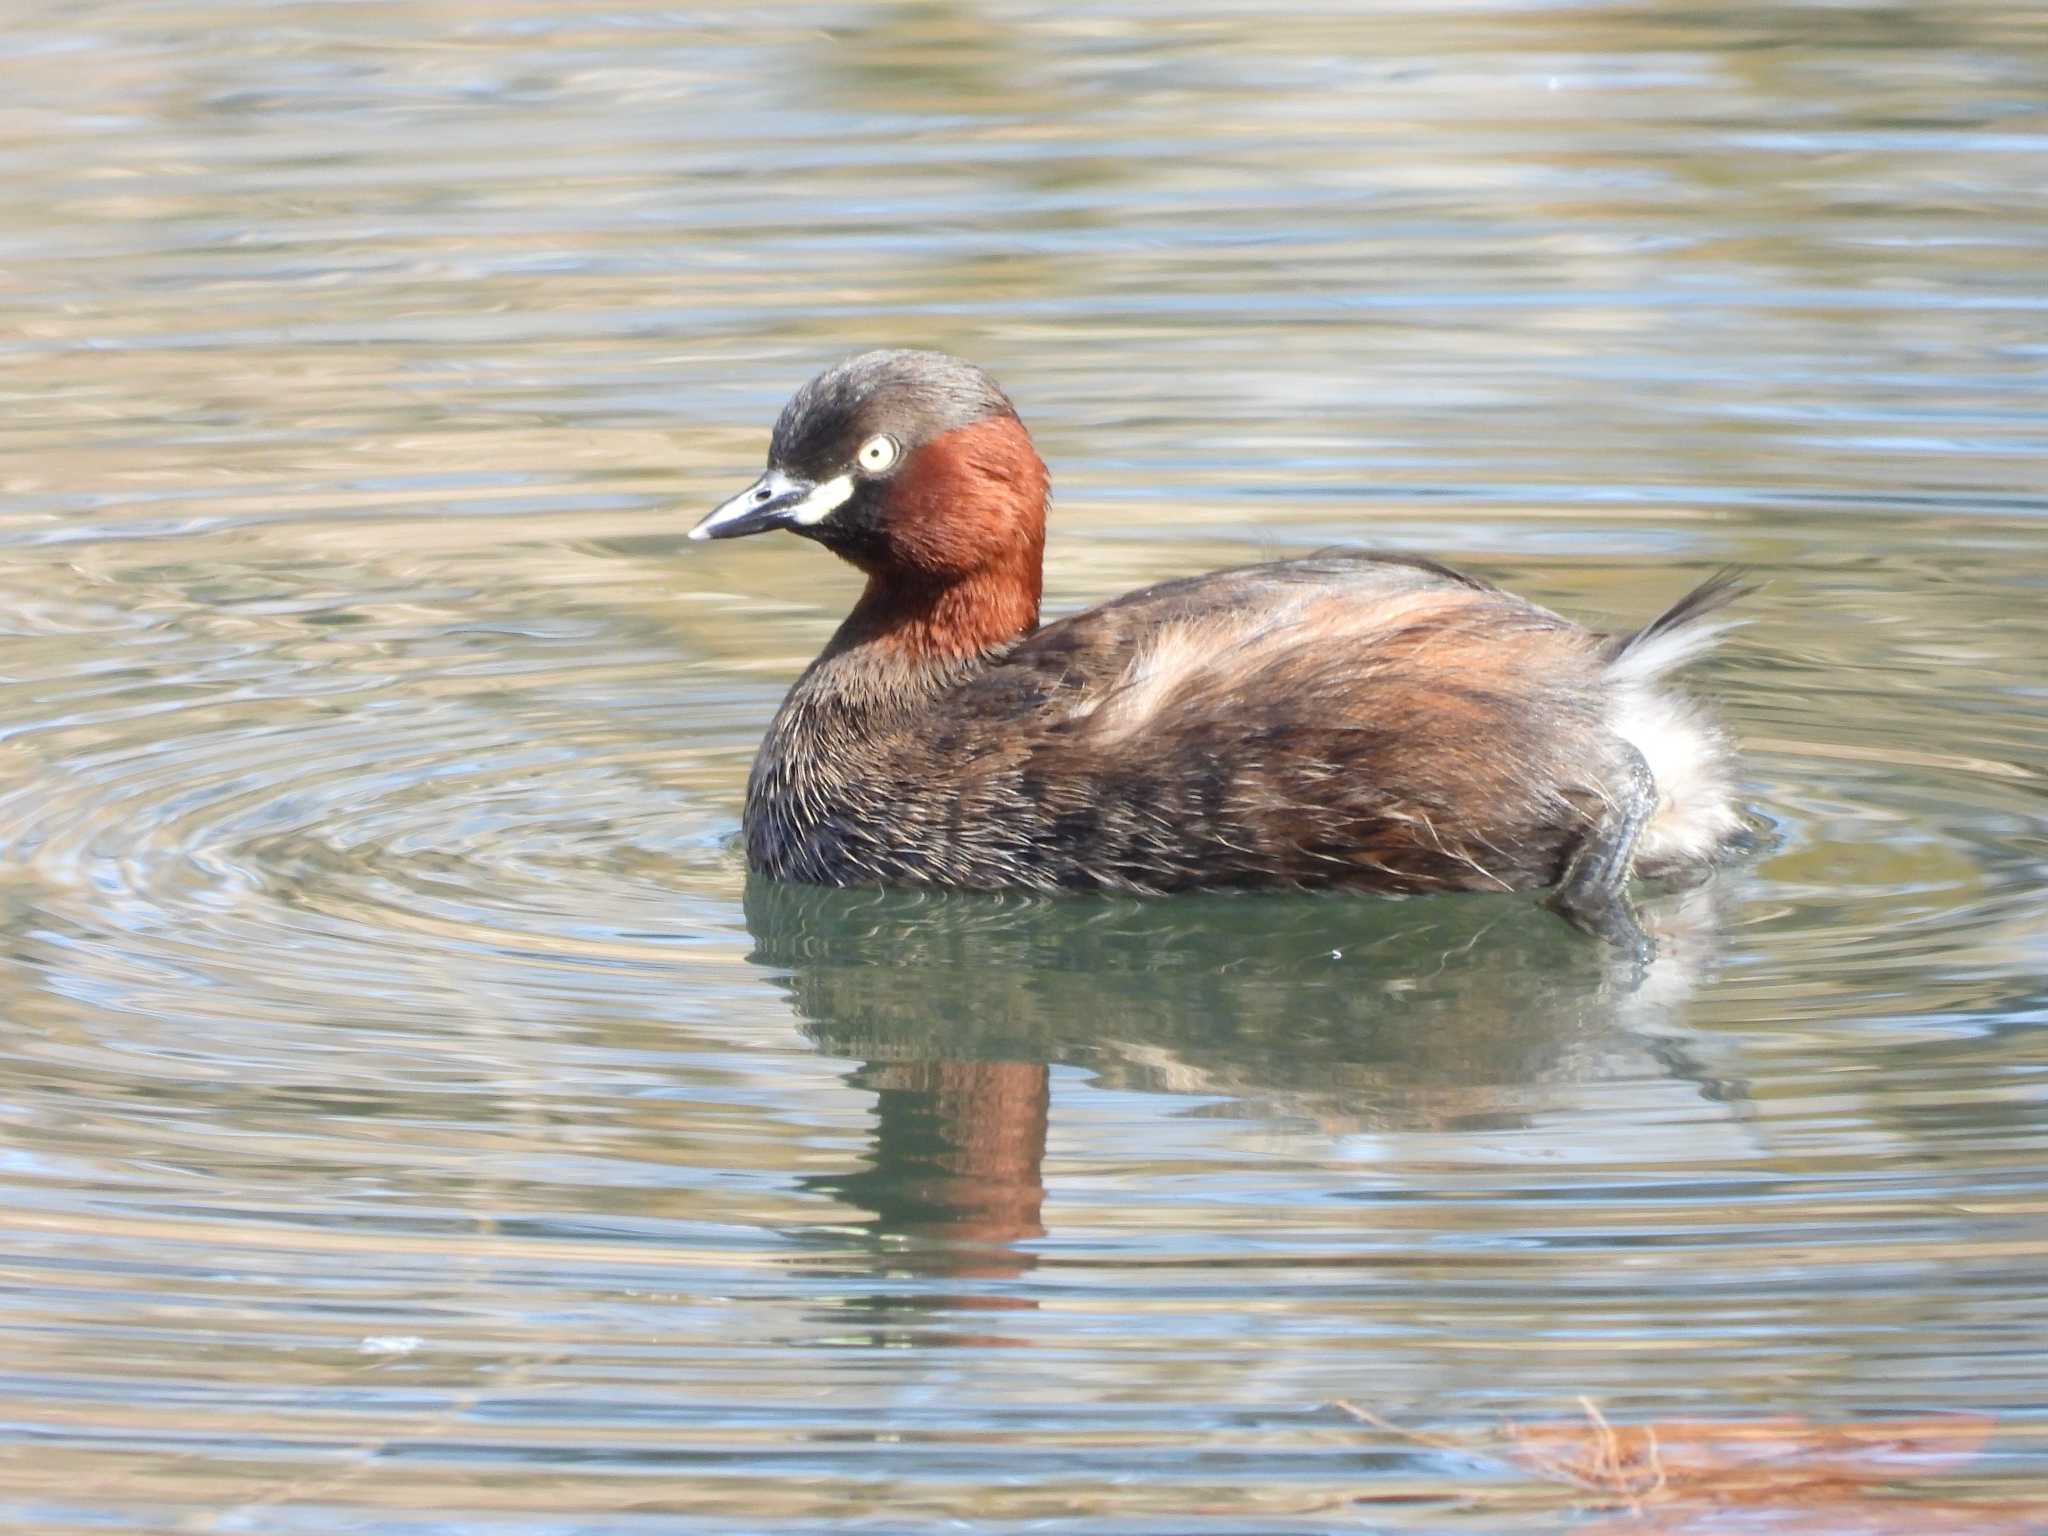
(413, 1121)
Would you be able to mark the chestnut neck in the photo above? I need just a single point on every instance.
(961, 568)
(915, 622)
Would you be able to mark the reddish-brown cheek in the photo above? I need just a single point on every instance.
(970, 498)
(964, 544)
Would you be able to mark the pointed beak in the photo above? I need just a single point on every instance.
(770, 502)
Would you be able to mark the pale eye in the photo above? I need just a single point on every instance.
(877, 454)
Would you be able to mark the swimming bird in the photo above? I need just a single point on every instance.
(1347, 719)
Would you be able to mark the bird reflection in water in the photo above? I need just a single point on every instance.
(1351, 1017)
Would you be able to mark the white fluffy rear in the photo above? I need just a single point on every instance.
(1689, 757)
(1648, 656)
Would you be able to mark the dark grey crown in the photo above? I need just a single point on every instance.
(912, 396)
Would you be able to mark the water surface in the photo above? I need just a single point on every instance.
(413, 1121)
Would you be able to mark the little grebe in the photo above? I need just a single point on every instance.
(1371, 721)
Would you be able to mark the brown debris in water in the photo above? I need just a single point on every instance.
(1709, 1477)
